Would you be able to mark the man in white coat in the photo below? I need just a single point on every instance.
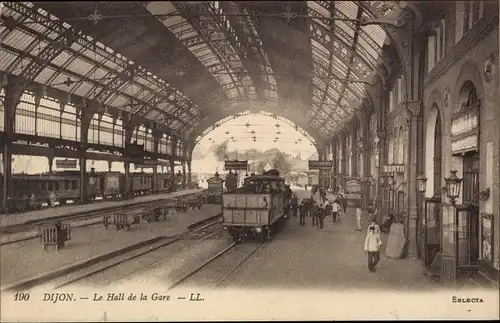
(372, 245)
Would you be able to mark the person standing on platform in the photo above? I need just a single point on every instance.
(320, 215)
(358, 216)
(314, 213)
(335, 210)
(294, 203)
(372, 245)
(343, 203)
(328, 208)
(303, 210)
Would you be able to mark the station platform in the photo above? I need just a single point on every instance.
(331, 258)
(304, 258)
(7, 220)
(27, 259)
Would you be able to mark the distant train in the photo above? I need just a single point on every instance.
(256, 208)
(30, 192)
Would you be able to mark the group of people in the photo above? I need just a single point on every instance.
(319, 209)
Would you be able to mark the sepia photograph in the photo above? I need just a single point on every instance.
(249, 160)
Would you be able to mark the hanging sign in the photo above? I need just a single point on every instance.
(464, 131)
(66, 163)
(236, 164)
(394, 168)
(146, 163)
(320, 164)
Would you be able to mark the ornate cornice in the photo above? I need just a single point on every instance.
(456, 53)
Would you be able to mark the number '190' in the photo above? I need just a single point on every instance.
(21, 297)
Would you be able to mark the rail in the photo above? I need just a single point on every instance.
(86, 269)
(212, 259)
(87, 215)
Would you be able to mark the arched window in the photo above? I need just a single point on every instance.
(469, 107)
(390, 150)
(395, 143)
(401, 146)
(437, 154)
(468, 97)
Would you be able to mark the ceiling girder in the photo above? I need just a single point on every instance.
(241, 46)
(38, 63)
(185, 9)
(349, 69)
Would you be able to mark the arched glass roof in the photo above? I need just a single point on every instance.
(225, 37)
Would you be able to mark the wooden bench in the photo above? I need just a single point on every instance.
(156, 213)
(120, 220)
(181, 205)
(54, 234)
(196, 203)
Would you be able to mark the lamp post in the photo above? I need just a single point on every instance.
(421, 184)
(453, 184)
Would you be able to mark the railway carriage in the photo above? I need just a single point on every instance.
(141, 183)
(256, 208)
(30, 192)
(163, 182)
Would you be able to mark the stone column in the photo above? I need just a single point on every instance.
(413, 113)
(321, 172)
(354, 152)
(365, 162)
(12, 95)
(156, 144)
(86, 113)
(110, 165)
(343, 162)
(189, 171)
(413, 57)
(51, 163)
(184, 173)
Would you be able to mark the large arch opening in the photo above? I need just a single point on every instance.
(264, 140)
(467, 161)
(433, 145)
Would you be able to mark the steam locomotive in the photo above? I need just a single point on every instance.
(257, 208)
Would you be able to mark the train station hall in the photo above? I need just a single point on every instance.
(400, 100)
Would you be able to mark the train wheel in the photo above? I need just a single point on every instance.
(235, 234)
(262, 236)
(268, 233)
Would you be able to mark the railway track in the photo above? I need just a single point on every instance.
(224, 277)
(84, 216)
(86, 270)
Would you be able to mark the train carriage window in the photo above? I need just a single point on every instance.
(56, 186)
(50, 186)
(73, 184)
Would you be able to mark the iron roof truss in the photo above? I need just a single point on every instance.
(62, 50)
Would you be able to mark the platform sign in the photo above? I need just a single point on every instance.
(146, 163)
(394, 168)
(66, 163)
(320, 164)
(236, 164)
